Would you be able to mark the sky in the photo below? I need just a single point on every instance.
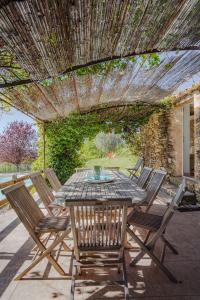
(13, 115)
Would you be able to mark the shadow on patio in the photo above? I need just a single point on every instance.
(146, 281)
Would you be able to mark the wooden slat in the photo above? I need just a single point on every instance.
(13, 181)
(144, 176)
(43, 190)
(106, 229)
(121, 189)
(53, 179)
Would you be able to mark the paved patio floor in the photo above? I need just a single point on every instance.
(146, 281)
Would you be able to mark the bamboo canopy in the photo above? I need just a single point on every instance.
(136, 83)
(48, 38)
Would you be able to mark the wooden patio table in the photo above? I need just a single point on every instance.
(77, 188)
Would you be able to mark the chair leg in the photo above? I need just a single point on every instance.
(146, 249)
(126, 291)
(147, 237)
(39, 251)
(137, 258)
(73, 278)
(169, 245)
(50, 258)
(46, 253)
(163, 253)
(65, 246)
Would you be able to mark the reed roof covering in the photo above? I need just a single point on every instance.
(135, 83)
(43, 39)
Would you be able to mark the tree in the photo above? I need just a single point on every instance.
(18, 143)
(108, 142)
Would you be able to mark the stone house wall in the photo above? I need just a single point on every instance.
(162, 138)
(156, 142)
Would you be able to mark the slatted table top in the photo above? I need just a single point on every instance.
(77, 189)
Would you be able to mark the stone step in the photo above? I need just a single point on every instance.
(170, 189)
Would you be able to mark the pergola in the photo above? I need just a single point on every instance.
(51, 54)
(47, 39)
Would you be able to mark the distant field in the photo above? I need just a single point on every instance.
(9, 168)
(123, 161)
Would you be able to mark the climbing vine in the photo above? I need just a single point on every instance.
(145, 60)
(64, 137)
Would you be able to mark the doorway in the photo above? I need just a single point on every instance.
(188, 139)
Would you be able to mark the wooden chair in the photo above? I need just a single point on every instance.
(144, 176)
(156, 226)
(53, 179)
(44, 192)
(96, 231)
(133, 171)
(37, 225)
(152, 190)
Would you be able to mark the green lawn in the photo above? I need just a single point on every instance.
(124, 160)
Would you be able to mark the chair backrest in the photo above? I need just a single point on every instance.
(24, 205)
(179, 194)
(42, 189)
(144, 176)
(154, 186)
(139, 164)
(98, 225)
(53, 179)
(170, 210)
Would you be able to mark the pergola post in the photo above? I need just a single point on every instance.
(197, 133)
(44, 147)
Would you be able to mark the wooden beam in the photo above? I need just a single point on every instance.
(19, 109)
(15, 83)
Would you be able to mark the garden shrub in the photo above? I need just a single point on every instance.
(65, 137)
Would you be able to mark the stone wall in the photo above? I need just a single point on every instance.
(157, 143)
(162, 139)
(162, 143)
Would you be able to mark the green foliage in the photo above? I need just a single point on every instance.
(166, 102)
(10, 168)
(168, 66)
(10, 70)
(38, 164)
(65, 138)
(89, 151)
(69, 141)
(148, 60)
(153, 59)
(122, 159)
(134, 142)
(108, 142)
(4, 106)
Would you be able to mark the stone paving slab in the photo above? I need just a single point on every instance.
(146, 281)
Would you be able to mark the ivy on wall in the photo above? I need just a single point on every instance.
(63, 140)
(64, 137)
